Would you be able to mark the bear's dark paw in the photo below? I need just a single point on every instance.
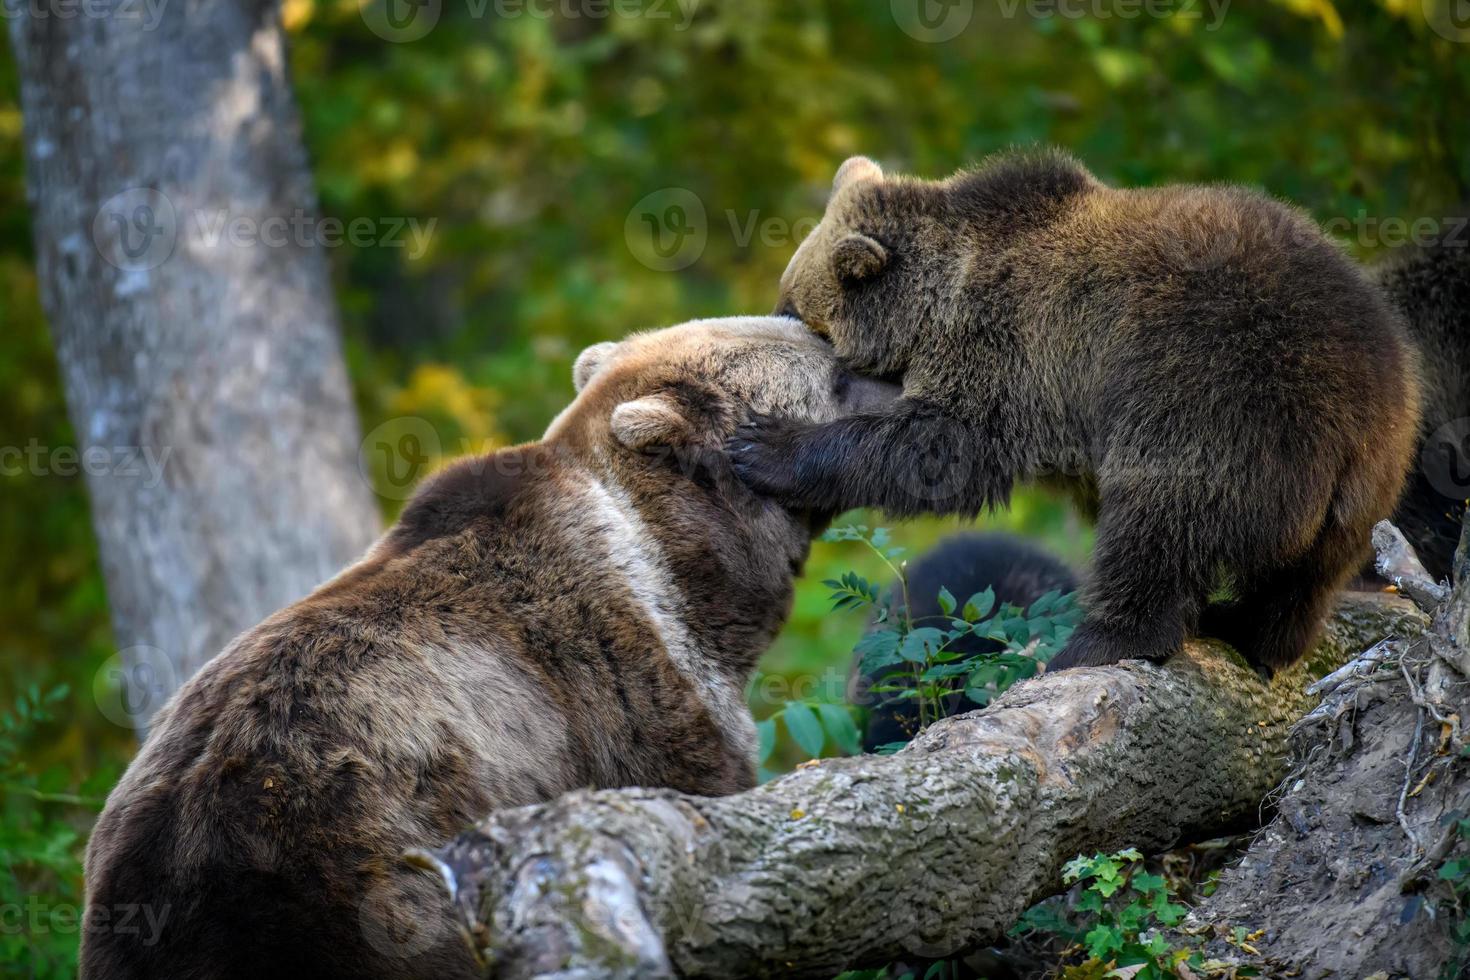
(763, 455)
(1097, 646)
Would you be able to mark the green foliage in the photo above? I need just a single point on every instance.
(1113, 919)
(42, 825)
(916, 659)
(811, 725)
(1455, 874)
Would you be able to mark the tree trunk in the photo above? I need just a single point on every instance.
(197, 337)
(858, 861)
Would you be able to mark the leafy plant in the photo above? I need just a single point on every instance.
(1455, 873)
(916, 658)
(40, 866)
(1113, 920)
(811, 725)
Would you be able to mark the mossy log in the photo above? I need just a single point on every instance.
(861, 860)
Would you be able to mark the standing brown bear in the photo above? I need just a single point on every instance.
(1210, 376)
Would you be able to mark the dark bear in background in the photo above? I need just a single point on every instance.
(1200, 366)
(1018, 571)
(1430, 284)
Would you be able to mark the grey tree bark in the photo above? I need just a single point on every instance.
(858, 861)
(190, 301)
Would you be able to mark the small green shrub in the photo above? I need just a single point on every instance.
(1113, 920)
(915, 659)
(1455, 873)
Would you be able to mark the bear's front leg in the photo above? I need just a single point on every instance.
(911, 459)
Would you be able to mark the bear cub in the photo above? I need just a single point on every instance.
(1212, 379)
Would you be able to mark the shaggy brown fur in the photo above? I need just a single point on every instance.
(585, 611)
(1199, 365)
(1430, 284)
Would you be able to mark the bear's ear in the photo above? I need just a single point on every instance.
(856, 257)
(590, 361)
(855, 169)
(653, 420)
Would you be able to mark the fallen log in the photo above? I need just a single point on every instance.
(862, 860)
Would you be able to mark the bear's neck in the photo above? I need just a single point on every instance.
(714, 575)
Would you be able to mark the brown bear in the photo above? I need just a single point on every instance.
(1212, 378)
(1429, 282)
(582, 611)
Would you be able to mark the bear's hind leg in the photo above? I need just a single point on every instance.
(1144, 596)
(1277, 615)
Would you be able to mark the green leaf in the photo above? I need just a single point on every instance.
(1130, 919)
(805, 729)
(1101, 941)
(1089, 901)
(878, 649)
(985, 675)
(766, 731)
(837, 720)
(1168, 913)
(921, 644)
(980, 695)
(850, 591)
(1144, 883)
(946, 601)
(1044, 605)
(1017, 630)
(1107, 867)
(979, 605)
(1045, 917)
(1076, 868)
(888, 748)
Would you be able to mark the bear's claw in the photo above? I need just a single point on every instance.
(762, 453)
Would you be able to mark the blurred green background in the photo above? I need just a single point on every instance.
(536, 136)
